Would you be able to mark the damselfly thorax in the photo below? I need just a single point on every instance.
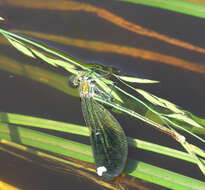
(86, 86)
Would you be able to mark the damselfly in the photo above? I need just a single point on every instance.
(108, 140)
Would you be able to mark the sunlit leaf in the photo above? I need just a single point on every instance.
(159, 101)
(191, 151)
(137, 80)
(199, 120)
(108, 90)
(45, 48)
(198, 151)
(154, 117)
(30, 52)
(20, 46)
(184, 118)
(45, 58)
(56, 62)
(1, 19)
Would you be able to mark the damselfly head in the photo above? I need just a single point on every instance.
(73, 82)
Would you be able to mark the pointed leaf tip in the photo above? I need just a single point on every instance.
(137, 80)
(19, 46)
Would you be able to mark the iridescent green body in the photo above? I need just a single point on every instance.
(109, 143)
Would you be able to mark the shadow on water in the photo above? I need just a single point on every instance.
(13, 131)
(131, 164)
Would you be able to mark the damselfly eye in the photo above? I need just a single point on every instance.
(73, 82)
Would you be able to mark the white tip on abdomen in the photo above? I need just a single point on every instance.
(101, 170)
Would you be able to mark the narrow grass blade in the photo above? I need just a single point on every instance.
(160, 176)
(45, 142)
(69, 148)
(35, 122)
(180, 6)
(30, 121)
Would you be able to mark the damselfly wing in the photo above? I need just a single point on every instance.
(108, 140)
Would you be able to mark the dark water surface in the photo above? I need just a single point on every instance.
(179, 85)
